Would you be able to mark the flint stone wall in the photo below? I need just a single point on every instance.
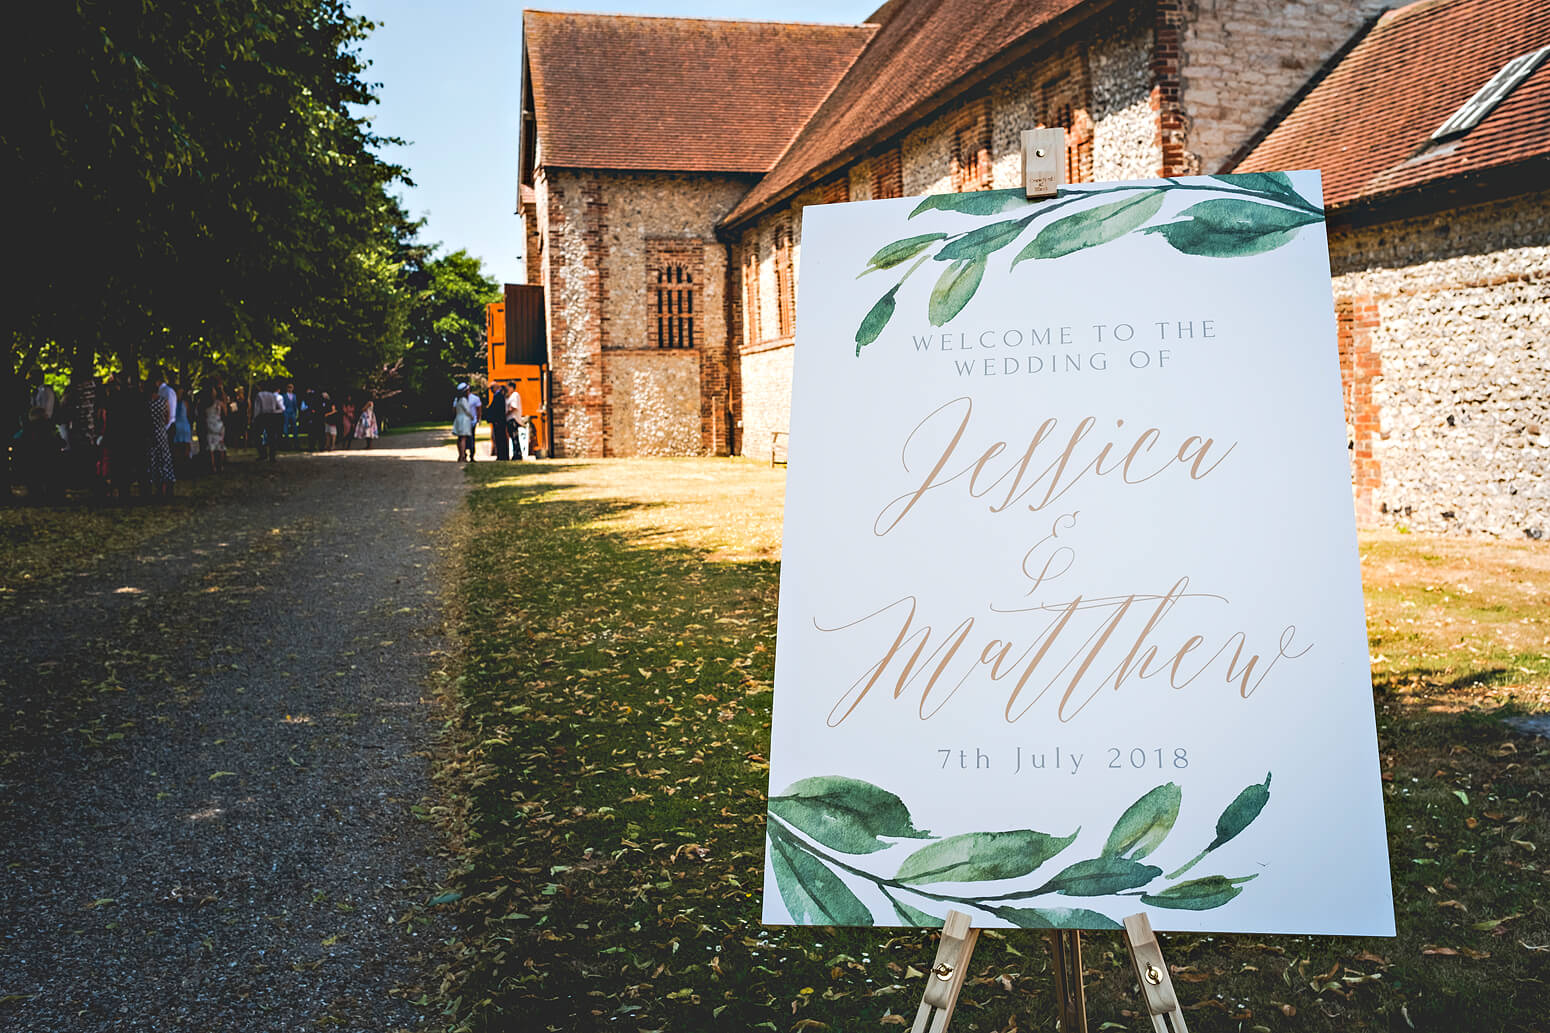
(1459, 379)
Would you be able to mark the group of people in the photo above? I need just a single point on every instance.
(510, 427)
(112, 434)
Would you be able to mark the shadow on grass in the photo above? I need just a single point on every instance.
(616, 698)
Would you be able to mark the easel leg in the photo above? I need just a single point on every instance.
(945, 979)
(1162, 1004)
(1065, 947)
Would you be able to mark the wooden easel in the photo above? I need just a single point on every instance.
(1044, 169)
(945, 980)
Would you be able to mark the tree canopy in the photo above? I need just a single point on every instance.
(198, 186)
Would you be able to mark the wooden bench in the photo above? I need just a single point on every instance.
(778, 441)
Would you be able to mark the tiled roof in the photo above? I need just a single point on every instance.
(625, 92)
(1368, 123)
(922, 48)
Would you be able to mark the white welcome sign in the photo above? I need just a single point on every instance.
(1071, 621)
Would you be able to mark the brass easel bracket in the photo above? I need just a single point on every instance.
(1151, 971)
(945, 979)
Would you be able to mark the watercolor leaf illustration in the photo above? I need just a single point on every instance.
(1145, 824)
(1058, 918)
(1244, 808)
(1226, 227)
(1198, 894)
(1092, 227)
(976, 202)
(814, 894)
(846, 814)
(853, 818)
(1248, 214)
(982, 857)
(953, 290)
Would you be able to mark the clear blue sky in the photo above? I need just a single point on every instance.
(449, 75)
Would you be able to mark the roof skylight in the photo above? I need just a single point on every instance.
(1491, 94)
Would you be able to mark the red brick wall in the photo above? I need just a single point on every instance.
(1168, 89)
(1355, 320)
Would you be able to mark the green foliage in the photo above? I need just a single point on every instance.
(444, 326)
(213, 160)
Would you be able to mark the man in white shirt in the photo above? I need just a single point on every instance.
(167, 391)
(268, 421)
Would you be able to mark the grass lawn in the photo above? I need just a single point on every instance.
(606, 781)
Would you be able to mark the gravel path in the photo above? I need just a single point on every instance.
(212, 753)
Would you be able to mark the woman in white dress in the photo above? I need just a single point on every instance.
(463, 424)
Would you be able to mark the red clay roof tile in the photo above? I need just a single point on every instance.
(687, 94)
(1368, 123)
(922, 48)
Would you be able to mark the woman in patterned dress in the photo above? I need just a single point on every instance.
(366, 424)
(160, 475)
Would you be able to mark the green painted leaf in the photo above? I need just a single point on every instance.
(1092, 226)
(1198, 894)
(1241, 812)
(981, 857)
(1145, 824)
(813, 894)
(845, 813)
(899, 251)
(1101, 876)
(1057, 918)
(1276, 184)
(983, 241)
(975, 202)
(953, 290)
(874, 321)
(913, 917)
(1229, 227)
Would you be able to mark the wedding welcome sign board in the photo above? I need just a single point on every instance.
(1071, 621)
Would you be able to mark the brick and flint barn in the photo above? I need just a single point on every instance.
(1433, 131)
(666, 163)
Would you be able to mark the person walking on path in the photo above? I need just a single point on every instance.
(160, 476)
(366, 424)
(463, 422)
(292, 408)
(213, 420)
(331, 418)
(268, 422)
(517, 427)
(499, 441)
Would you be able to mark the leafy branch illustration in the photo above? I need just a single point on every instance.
(1251, 213)
(822, 828)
